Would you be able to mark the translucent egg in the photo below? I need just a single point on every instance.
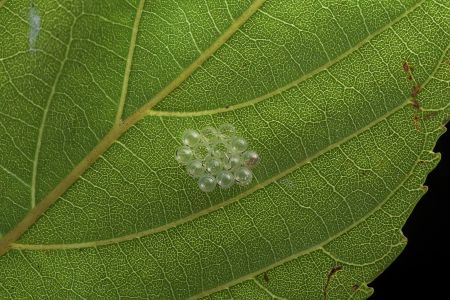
(225, 179)
(250, 158)
(207, 183)
(190, 137)
(184, 155)
(201, 150)
(213, 165)
(233, 162)
(238, 144)
(219, 150)
(227, 130)
(210, 134)
(243, 176)
(195, 168)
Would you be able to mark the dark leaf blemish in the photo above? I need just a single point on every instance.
(329, 277)
(415, 90)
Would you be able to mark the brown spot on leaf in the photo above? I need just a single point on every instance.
(416, 121)
(334, 270)
(406, 67)
(416, 89)
(266, 277)
(355, 287)
(329, 277)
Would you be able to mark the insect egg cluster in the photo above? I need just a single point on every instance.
(217, 157)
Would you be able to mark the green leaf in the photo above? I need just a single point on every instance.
(344, 101)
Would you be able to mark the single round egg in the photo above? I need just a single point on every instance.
(225, 179)
(195, 168)
(190, 137)
(243, 176)
(233, 162)
(201, 150)
(207, 183)
(213, 165)
(209, 134)
(238, 144)
(250, 158)
(183, 155)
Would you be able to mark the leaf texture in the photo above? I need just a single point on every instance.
(344, 101)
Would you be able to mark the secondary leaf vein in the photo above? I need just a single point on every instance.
(126, 78)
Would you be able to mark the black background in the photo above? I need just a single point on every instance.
(417, 271)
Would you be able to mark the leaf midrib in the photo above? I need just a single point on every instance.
(118, 130)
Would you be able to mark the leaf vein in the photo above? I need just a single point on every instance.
(44, 118)
(126, 78)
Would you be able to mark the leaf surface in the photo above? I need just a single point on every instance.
(343, 101)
